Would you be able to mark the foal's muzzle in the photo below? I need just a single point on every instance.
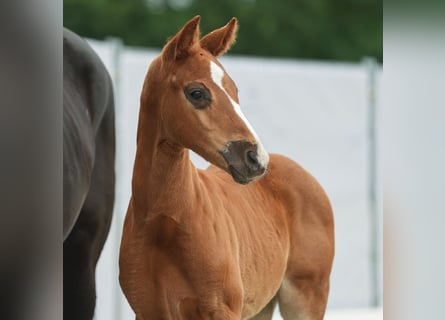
(243, 161)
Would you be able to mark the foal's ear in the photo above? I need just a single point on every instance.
(178, 46)
(220, 40)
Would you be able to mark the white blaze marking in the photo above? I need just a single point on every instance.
(217, 75)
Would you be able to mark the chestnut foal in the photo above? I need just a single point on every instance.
(196, 244)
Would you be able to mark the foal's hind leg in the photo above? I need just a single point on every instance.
(303, 299)
(305, 287)
(303, 294)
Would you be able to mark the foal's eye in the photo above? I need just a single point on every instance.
(196, 94)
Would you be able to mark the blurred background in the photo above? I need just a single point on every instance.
(342, 30)
(309, 74)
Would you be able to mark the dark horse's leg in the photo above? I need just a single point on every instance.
(82, 248)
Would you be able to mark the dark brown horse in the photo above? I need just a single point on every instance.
(88, 168)
(230, 242)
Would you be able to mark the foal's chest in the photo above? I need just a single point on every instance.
(210, 262)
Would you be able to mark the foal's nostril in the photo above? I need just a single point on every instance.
(252, 160)
(244, 161)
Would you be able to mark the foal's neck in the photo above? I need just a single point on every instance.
(164, 178)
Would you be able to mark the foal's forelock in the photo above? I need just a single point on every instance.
(217, 74)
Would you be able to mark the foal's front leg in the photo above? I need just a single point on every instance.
(215, 308)
(191, 310)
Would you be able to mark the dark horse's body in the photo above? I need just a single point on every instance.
(88, 168)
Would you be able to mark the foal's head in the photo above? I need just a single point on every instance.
(198, 105)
